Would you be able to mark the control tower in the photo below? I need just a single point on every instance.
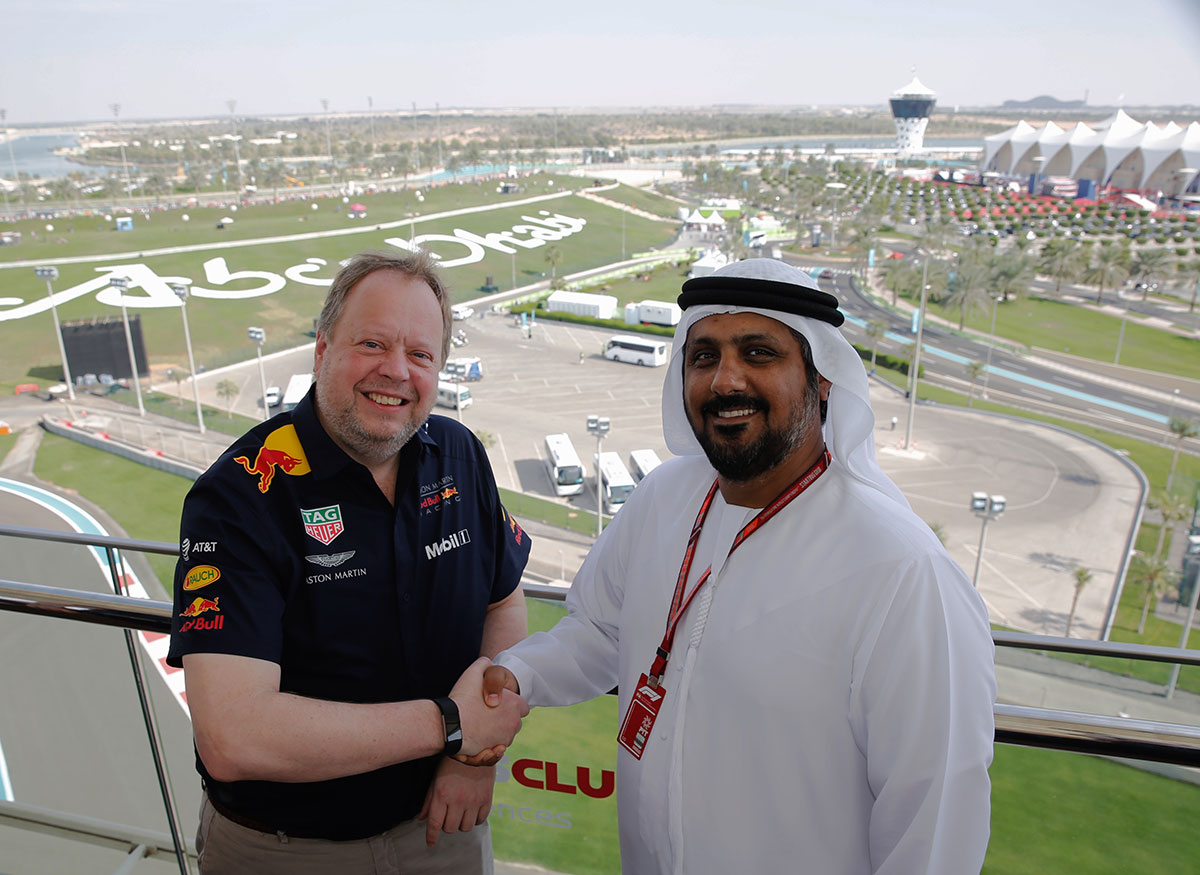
(911, 107)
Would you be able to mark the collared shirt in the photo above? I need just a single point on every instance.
(828, 700)
(290, 553)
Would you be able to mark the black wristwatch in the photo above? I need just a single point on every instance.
(451, 724)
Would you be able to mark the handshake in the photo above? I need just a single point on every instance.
(490, 709)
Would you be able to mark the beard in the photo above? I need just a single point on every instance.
(347, 429)
(741, 461)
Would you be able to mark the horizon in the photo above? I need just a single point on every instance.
(284, 59)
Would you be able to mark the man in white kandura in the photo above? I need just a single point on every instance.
(827, 704)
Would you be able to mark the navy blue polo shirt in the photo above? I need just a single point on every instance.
(290, 553)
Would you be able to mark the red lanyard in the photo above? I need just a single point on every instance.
(679, 604)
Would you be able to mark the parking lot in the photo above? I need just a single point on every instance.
(1070, 503)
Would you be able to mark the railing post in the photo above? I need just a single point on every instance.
(152, 733)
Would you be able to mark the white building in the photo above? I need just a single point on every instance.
(1120, 152)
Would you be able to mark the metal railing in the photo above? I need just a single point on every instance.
(1072, 731)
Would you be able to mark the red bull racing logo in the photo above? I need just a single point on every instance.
(281, 449)
(198, 607)
(438, 497)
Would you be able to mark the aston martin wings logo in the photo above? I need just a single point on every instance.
(329, 560)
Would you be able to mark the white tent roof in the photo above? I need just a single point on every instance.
(1153, 151)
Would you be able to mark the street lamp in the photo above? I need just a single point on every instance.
(181, 291)
(116, 111)
(13, 162)
(1183, 638)
(328, 142)
(837, 191)
(259, 337)
(987, 508)
(987, 367)
(50, 274)
(121, 284)
(599, 426)
(237, 158)
(916, 362)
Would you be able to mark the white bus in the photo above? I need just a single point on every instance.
(563, 465)
(642, 462)
(615, 483)
(297, 388)
(636, 350)
(453, 395)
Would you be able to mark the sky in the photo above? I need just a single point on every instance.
(69, 60)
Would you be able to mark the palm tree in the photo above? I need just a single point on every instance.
(227, 390)
(896, 273)
(1173, 509)
(974, 369)
(970, 292)
(1109, 266)
(1188, 277)
(1061, 259)
(1157, 575)
(554, 258)
(273, 175)
(1183, 428)
(1082, 578)
(1148, 264)
(875, 329)
(1011, 274)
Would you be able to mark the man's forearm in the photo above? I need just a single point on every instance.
(288, 738)
(246, 729)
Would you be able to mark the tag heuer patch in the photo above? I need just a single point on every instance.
(323, 523)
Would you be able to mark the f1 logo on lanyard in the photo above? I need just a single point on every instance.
(650, 694)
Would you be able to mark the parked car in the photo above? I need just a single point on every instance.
(273, 396)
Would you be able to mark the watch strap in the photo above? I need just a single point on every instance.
(451, 725)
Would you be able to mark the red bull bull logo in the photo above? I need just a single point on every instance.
(282, 450)
(200, 606)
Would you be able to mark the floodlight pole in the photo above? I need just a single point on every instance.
(987, 508)
(181, 291)
(121, 284)
(49, 274)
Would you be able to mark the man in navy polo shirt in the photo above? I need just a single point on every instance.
(341, 566)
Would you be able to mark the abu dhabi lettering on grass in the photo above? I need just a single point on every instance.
(155, 291)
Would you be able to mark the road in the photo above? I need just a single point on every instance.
(1117, 399)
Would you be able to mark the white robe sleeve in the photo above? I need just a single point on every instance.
(577, 660)
(922, 714)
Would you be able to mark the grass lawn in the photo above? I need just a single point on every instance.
(660, 284)
(218, 325)
(1062, 812)
(184, 410)
(145, 502)
(1061, 327)
(93, 235)
(644, 200)
(527, 824)
(6, 443)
